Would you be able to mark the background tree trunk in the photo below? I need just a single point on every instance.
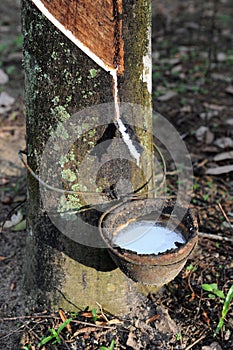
(59, 81)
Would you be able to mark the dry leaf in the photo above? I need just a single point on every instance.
(229, 90)
(168, 96)
(223, 156)
(64, 318)
(221, 57)
(220, 170)
(206, 317)
(214, 107)
(165, 324)
(229, 121)
(200, 133)
(108, 323)
(87, 314)
(213, 346)
(3, 77)
(6, 100)
(84, 330)
(204, 134)
(115, 321)
(221, 77)
(15, 219)
(224, 142)
(186, 109)
(209, 115)
(21, 198)
(131, 342)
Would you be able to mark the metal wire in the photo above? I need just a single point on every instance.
(127, 196)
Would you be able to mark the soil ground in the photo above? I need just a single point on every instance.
(193, 89)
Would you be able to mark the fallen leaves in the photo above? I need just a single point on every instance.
(206, 317)
(15, 219)
(3, 77)
(166, 324)
(212, 346)
(204, 134)
(64, 318)
(219, 170)
(223, 156)
(6, 102)
(229, 90)
(167, 96)
(16, 223)
(131, 340)
(224, 142)
(214, 106)
(83, 330)
(229, 121)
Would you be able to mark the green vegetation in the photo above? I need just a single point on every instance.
(191, 268)
(205, 197)
(225, 19)
(54, 337)
(214, 291)
(225, 309)
(27, 347)
(94, 315)
(111, 347)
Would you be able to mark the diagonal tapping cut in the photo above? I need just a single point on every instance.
(96, 35)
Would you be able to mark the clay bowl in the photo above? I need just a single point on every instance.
(152, 269)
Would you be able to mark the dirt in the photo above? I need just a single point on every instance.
(193, 89)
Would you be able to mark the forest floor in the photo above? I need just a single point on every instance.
(193, 89)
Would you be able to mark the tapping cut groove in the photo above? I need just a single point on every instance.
(94, 26)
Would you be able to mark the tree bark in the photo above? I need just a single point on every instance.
(59, 81)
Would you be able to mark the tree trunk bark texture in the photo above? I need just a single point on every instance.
(59, 81)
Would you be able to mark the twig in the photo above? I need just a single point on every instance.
(31, 317)
(80, 331)
(91, 324)
(191, 288)
(196, 341)
(10, 333)
(53, 317)
(64, 341)
(215, 237)
(32, 332)
(225, 215)
(102, 313)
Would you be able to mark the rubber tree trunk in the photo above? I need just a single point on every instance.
(59, 81)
